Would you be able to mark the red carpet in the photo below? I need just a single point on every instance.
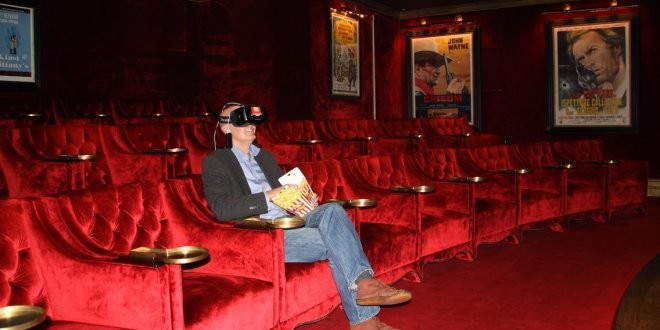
(551, 280)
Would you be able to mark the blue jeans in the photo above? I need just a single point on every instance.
(330, 234)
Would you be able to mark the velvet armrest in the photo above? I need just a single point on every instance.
(392, 208)
(629, 168)
(449, 194)
(245, 252)
(498, 186)
(253, 253)
(107, 292)
(542, 178)
(483, 139)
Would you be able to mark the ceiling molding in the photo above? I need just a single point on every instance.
(452, 9)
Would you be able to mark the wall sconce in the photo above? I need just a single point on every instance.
(353, 12)
(348, 12)
(422, 21)
(458, 18)
(614, 5)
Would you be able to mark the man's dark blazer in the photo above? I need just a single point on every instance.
(226, 189)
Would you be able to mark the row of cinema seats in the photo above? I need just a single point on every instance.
(479, 195)
(67, 252)
(45, 159)
(16, 112)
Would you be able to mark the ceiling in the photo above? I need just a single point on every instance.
(404, 9)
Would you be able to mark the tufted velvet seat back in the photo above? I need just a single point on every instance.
(106, 222)
(33, 165)
(51, 141)
(379, 170)
(121, 150)
(146, 137)
(494, 158)
(400, 127)
(324, 178)
(198, 138)
(626, 179)
(582, 149)
(21, 282)
(284, 131)
(537, 153)
(439, 164)
(447, 126)
(348, 129)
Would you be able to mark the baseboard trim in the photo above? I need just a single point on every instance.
(654, 187)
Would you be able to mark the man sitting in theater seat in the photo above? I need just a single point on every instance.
(241, 181)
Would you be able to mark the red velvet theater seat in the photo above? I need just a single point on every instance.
(417, 132)
(538, 190)
(365, 134)
(4, 190)
(106, 223)
(307, 136)
(308, 292)
(389, 232)
(583, 185)
(460, 129)
(446, 214)
(626, 179)
(492, 199)
(199, 139)
(145, 152)
(327, 184)
(288, 140)
(46, 159)
(78, 293)
(447, 217)
(406, 130)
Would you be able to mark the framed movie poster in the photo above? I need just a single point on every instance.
(443, 76)
(593, 74)
(17, 45)
(344, 55)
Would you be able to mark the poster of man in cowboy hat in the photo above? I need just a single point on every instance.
(441, 74)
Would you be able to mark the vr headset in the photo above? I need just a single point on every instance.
(245, 114)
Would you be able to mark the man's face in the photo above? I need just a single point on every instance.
(428, 73)
(245, 133)
(592, 53)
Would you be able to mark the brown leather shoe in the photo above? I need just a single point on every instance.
(372, 292)
(373, 323)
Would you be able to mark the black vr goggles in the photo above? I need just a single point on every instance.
(245, 114)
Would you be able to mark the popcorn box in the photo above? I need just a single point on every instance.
(298, 200)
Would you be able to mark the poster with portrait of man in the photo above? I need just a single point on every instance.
(442, 75)
(592, 76)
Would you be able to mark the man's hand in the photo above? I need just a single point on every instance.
(456, 86)
(274, 192)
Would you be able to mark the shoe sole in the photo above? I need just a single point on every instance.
(385, 300)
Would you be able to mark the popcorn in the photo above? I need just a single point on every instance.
(298, 199)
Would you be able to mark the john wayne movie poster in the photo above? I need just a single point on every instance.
(442, 68)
